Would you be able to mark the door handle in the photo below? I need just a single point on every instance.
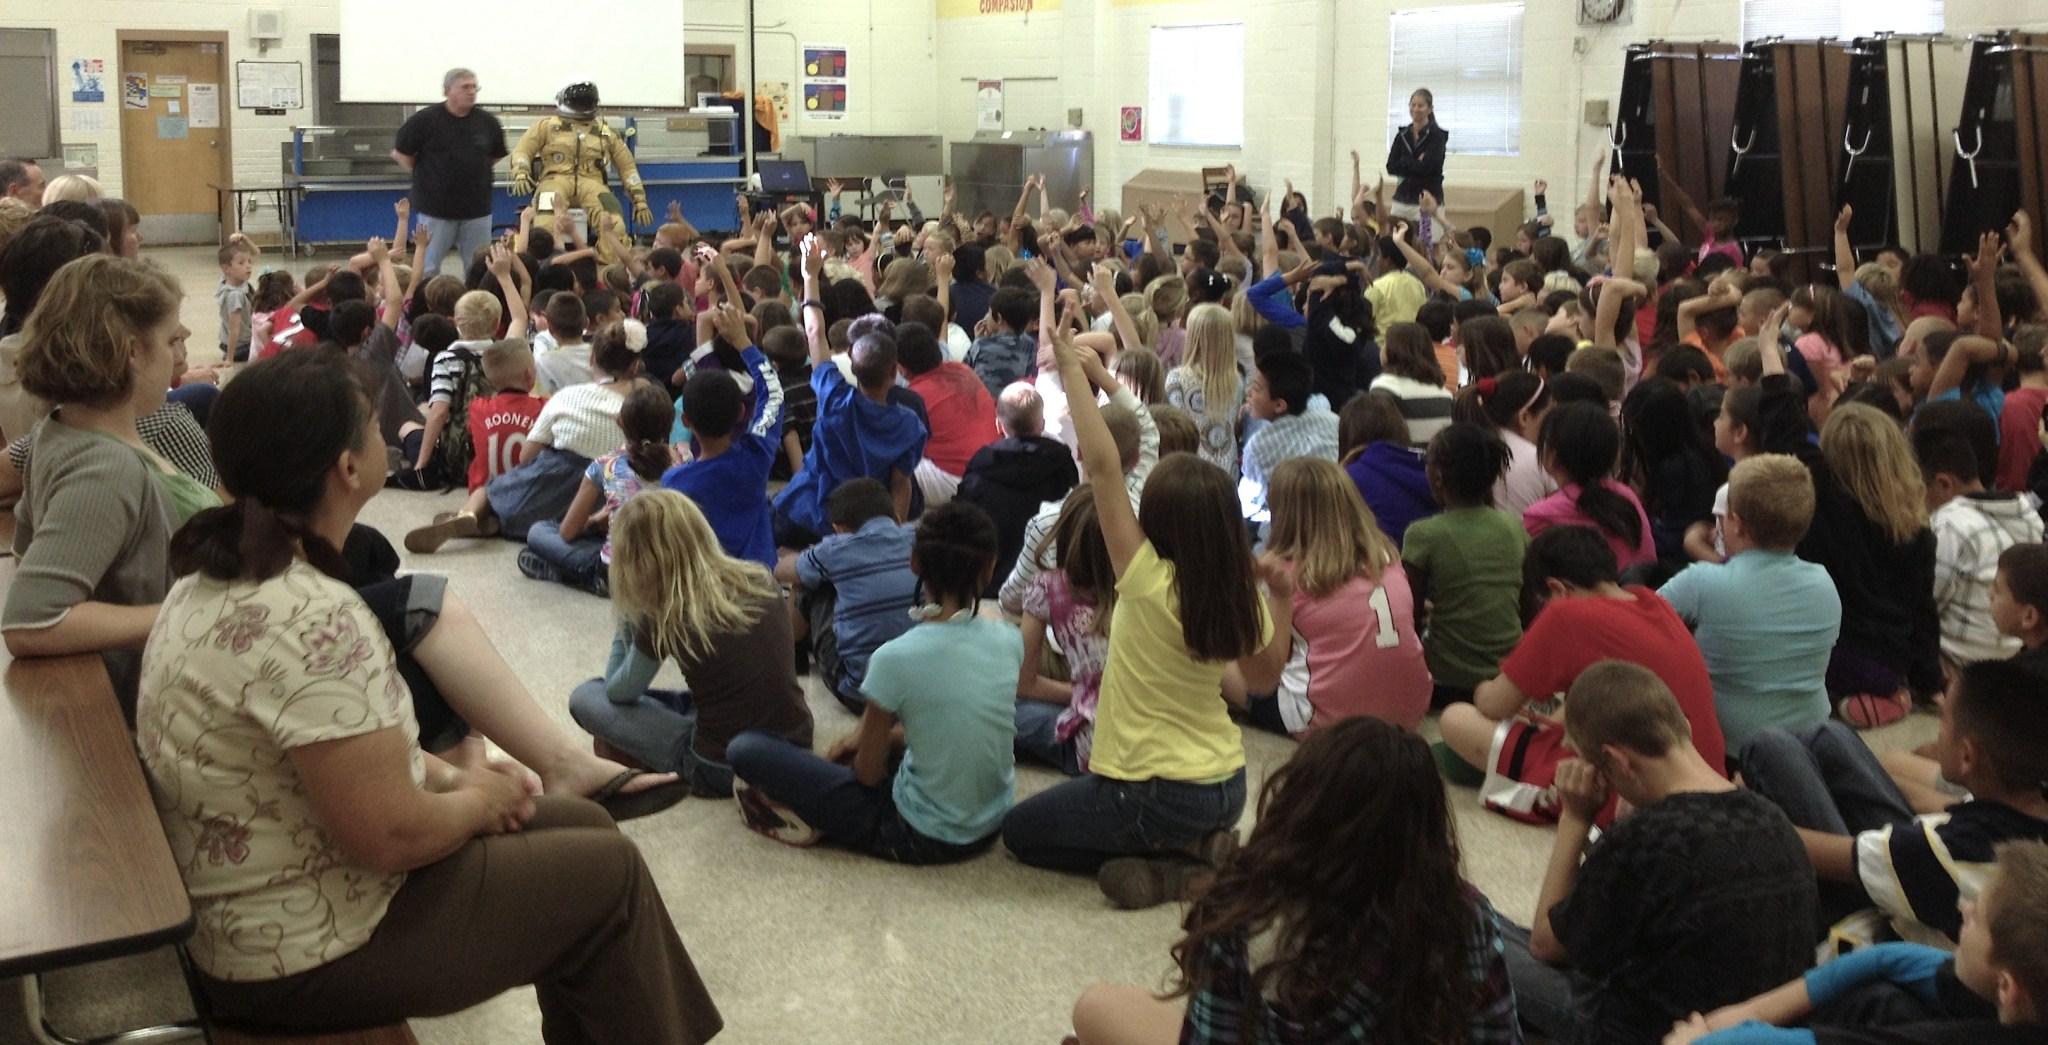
(213, 143)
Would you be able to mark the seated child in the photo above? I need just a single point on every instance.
(1579, 445)
(961, 411)
(498, 423)
(1337, 973)
(568, 363)
(1012, 477)
(1972, 528)
(455, 373)
(1699, 898)
(1071, 598)
(1009, 352)
(950, 682)
(720, 619)
(728, 479)
(1582, 615)
(860, 433)
(1278, 394)
(854, 589)
(1372, 443)
(785, 348)
(1465, 565)
(2000, 965)
(1866, 845)
(577, 550)
(1766, 620)
(1355, 649)
(671, 334)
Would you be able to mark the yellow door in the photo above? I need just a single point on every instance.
(175, 101)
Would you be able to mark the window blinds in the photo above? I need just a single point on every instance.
(1470, 58)
(1197, 85)
(1842, 19)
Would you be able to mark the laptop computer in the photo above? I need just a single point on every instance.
(784, 176)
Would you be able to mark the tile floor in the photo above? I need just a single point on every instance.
(797, 946)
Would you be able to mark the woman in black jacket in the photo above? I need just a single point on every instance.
(1417, 157)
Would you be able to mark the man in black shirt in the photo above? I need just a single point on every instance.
(1700, 898)
(451, 149)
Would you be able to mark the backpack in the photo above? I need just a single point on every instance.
(457, 448)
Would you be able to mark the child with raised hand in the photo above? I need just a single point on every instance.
(737, 445)
(1165, 786)
(1579, 444)
(1466, 565)
(949, 685)
(1354, 649)
(2000, 961)
(1766, 620)
(680, 597)
(1071, 599)
(1353, 869)
(577, 551)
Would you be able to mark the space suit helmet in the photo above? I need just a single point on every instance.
(578, 99)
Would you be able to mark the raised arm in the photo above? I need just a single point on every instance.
(1420, 264)
(1679, 196)
(1105, 288)
(1722, 293)
(764, 239)
(1099, 457)
(501, 264)
(1845, 255)
(1984, 281)
(1615, 295)
(387, 283)
(813, 251)
(1967, 351)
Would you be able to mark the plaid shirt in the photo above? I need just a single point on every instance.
(1221, 1013)
(1969, 533)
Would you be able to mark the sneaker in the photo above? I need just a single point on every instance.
(1869, 710)
(538, 568)
(1134, 883)
(766, 816)
(431, 537)
(599, 584)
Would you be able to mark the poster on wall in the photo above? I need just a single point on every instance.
(988, 105)
(205, 99)
(825, 79)
(134, 91)
(777, 94)
(88, 79)
(1131, 127)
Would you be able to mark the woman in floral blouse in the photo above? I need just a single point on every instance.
(340, 877)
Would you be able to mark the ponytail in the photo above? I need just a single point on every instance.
(646, 418)
(1584, 444)
(247, 540)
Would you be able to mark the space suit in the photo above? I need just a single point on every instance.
(574, 146)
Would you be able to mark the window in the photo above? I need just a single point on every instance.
(1843, 19)
(1197, 95)
(1470, 58)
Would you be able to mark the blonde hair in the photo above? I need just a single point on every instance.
(672, 582)
(477, 314)
(70, 187)
(506, 363)
(1166, 297)
(1210, 356)
(1142, 318)
(1323, 526)
(75, 345)
(1869, 455)
(1883, 287)
(995, 261)
(1142, 373)
(14, 214)
(905, 278)
(1247, 318)
(1773, 494)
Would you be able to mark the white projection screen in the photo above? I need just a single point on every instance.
(523, 51)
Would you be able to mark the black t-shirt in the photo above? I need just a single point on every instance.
(452, 163)
(1695, 902)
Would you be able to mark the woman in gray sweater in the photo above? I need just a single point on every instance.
(98, 504)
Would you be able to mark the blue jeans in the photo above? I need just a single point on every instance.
(659, 730)
(464, 236)
(830, 798)
(1546, 996)
(1826, 779)
(197, 399)
(578, 560)
(1081, 824)
(1036, 736)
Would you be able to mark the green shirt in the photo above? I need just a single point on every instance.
(1472, 558)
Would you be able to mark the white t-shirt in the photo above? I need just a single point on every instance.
(582, 419)
(566, 365)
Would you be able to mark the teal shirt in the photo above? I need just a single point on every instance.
(1766, 623)
(954, 687)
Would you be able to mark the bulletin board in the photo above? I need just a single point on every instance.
(269, 85)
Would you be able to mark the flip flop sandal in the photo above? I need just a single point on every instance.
(623, 806)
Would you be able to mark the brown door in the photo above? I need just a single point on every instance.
(175, 102)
